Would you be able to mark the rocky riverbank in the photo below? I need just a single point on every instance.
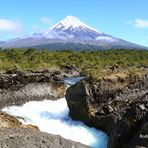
(14, 134)
(26, 138)
(16, 88)
(116, 104)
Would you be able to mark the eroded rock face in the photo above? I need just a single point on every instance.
(117, 105)
(30, 92)
(18, 87)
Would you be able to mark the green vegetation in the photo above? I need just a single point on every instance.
(91, 62)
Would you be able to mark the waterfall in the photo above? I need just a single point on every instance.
(52, 117)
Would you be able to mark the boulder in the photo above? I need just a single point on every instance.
(117, 107)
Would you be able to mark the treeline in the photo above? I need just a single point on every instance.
(89, 61)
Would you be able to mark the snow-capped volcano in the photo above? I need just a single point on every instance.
(73, 23)
(70, 33)
(72, 28)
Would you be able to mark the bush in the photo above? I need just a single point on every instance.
(91, 62)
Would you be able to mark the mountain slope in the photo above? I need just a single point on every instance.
(71, 31)
(1, 43)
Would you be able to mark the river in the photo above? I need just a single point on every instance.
(52, 117)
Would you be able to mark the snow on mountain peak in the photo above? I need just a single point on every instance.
(70, 28)
(72, 22)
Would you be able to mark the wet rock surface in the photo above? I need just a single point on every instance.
(117, 105)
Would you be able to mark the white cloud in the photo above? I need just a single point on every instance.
(10, 26)
(106, 38)
(46, 20)
(139, 23)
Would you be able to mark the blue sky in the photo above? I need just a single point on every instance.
(126, 19)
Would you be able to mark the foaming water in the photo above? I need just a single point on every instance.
(52, 117)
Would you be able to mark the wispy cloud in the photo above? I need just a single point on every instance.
(10, 25)
(46, 20)
(138, 23)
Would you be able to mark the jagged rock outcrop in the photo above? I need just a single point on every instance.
(117, 104)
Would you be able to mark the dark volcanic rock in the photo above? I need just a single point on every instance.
(117, 105)
(30, 92)
(18, 87)
(15, 78)
(26, 138)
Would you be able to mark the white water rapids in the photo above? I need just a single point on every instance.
(52, 117)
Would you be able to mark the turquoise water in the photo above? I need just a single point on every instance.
(73, 80)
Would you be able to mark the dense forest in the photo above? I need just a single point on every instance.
(92, 62)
